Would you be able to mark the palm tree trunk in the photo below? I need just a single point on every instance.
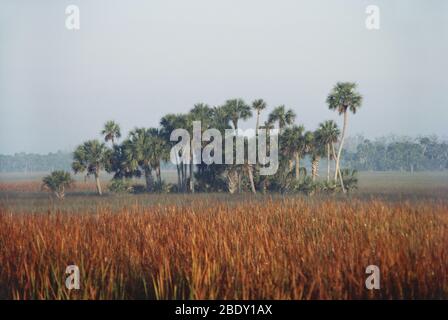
(341, 144)
(191, 176)
(159, 176)
(251, 179)
(179, 185)
(337, 173)
(98, 184)
(334, 158)
(257, 124)
(62, 193)
(148, 179)
(290, 165)
(257, 165)
(184, 176)
(314, 168)
(297, 166)
(232, 180)
(328, 162)
(178, 174)
(239, 181)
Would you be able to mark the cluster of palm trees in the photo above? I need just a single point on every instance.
(144, 150)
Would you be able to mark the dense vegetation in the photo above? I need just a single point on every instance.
(145, 149)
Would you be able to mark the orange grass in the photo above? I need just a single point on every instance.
(292, 248)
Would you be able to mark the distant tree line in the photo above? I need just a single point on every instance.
(398, 154)
(31, 162)
(53, 161)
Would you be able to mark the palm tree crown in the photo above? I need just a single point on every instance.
(111, 131)
(283, 116)
(90, 156)
(344, 97)
(237, 109)
(329, 132)
(259, 105)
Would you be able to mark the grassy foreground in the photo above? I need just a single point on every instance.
(259, 248)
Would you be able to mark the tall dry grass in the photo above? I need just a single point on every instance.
(264, 249)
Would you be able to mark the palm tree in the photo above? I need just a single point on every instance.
(169, 123)
(343, 98)
(220, 119)
(203, 113)
(144, 150)
(160, 151)
(306, 143)
(283, 116)
(316, 150)
(258, 105)
(237, 109)
(111, 131)
(291, 140)
(91, 157)
(330, 134)
(299, 147)
(56, 183)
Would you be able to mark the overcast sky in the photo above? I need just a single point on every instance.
(134, 61)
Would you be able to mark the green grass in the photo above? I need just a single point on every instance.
(389, 186)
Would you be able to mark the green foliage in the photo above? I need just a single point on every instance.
(90, 157)
(111, 131)
(237, 109)
(57, 182)
(282, 116)
(120, 186)
(344, 97)
(350, 178)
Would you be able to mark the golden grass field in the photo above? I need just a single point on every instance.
(224, 247)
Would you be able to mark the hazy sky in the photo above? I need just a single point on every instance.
(134, 61)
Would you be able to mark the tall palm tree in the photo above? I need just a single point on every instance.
(203, 113)
(111, 131)
(237, 110)
(282, 116)
(343, 98)
(91, 157)
(258, 105)
(330, 134)
(291, 140)
(160, 151)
